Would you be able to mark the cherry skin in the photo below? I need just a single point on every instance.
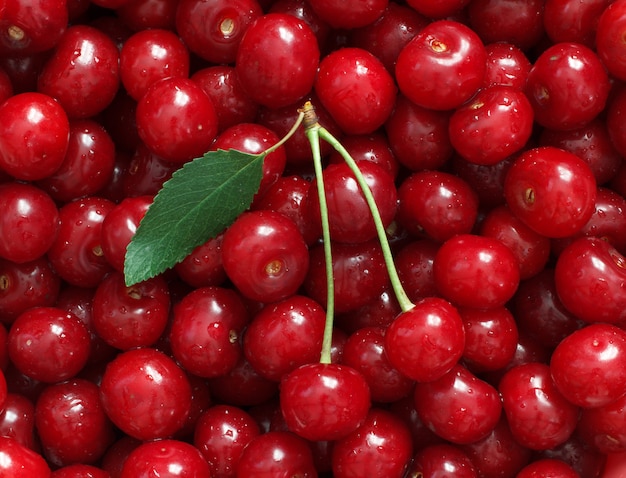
(214, 31)
(442, 66)
(203, 266)
(602, 428)
(205, 331)
(419, 136)
(145, 394)
(17, 420)
(265, 256)
(143, 14)
(276, 453)
(495, 124)
(587, 365)
(271, 42)
(167, 459)
(507, 65)
(608, 39)
(49, 344)
(349, 217)
(539, 416)
(547, 467)
(150, 55)
(221, 434)
(380, 447)
(589, 278)
(351, 14)
(176, 119)
(285, 335)
(466, 260)
(72, 424)
(437, 205)
(567, 86)
(88, 165)
(145, 173)
(437, 460)
(458, 406)
(569, 21)
(356, 89)
(19, 460)
(83, 72)
(29, 222)
(371, 147)
(425, 342)
(127, 317)
(324, 401)
(80, 471)
(551, 190)
(43, 124)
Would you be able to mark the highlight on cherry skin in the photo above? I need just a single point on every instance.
(306, 238)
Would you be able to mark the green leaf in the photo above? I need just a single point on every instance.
(199, 201)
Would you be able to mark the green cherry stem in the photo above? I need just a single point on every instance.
(312, 129)
(289, 134)
(401, 296)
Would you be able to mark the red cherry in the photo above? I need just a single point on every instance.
(324, 401)
(167, 459)
(17, 460)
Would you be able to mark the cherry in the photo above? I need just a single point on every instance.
(272, 42)
(143, 14)
(284, 335)
(538, 414)
(414, 262)
(603, 427)
(48, 344)
(29, 222)
(20, 460)
(379, 312)
(88, 165)
(371, 147)
(145, 394)
(447, 8)
(176, 119)
(586, 365)
(569, 21)
(587, 270)
(351, 14)
(507, 65)
(425, 342)
(418, 136)
(232, 105)
(495, 124)
(127, 317)
(165, 458)
(380, 447)
(608, 39)
(72, 424)
(321, 401)
(83, 72)
(23, 286)
(214, 31)
(145, 173)
(17, 420)
(203, 266)
(348, 211)
(265, 256)
(40, 122)
(222, 432)
(79, 471)
(31, 26)
(356, 89)
(76, 253)
(547, 467)
(486, 181)
(436, 205)
(437, 460)
(206, 329)
(551, 190)
(560, 103)
(458, 406)
(364, 351)
(442, 66)
(466, 260)
(150, 55)
(276, 453)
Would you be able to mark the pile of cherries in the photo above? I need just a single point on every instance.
(492, 136)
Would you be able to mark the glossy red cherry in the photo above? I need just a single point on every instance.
(17, 460)
(425, 342)
(609, 45)
(570, 21)
(17, 420)
(83, 72)
(176, 119)
(203, 266)
(350, 14)
(547, 467)
(145, 394)
(442, 66)
(356, 89)
(507, 65)
(277, 60)
(166, 459)
(551, 190)
(440, 459)
(324, 401)
(38, 121)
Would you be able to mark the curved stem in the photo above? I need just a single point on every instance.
(400, 293)
(312, 129)
(289, 134)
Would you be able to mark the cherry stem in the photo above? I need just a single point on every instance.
(312, 129)
(401, 296)
(289, 134)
